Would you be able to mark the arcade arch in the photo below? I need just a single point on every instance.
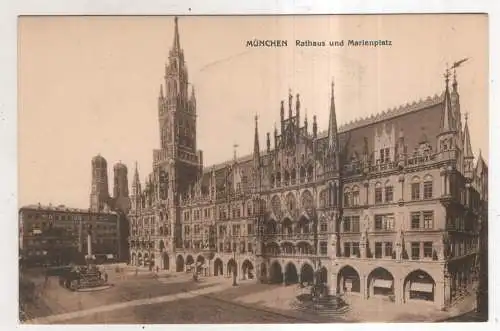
(380, 283)
(218, 267)
(419, 285)
(291, 275)
(247, 270)
(276, 273)
(307, 274)
(166, 261)
(179, 263)
(348, 280)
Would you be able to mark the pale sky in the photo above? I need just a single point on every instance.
(89, 85)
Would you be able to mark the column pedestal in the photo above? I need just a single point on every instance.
(398, 291)
(332, 283)
(440, 297)
(364, 287)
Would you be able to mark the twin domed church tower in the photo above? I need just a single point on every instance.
(100, 199)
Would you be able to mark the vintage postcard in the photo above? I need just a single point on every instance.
(253, 169)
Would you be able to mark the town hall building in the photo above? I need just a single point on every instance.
(389, 206)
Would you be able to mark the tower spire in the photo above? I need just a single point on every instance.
(455, 84)
(256, 147)
(177, 43)
(332, 123)
(467, 142)
(297, 110)
(136, 182)
(447, 119)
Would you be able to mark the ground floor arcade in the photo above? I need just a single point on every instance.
(429, 282)
(402, 282)
(225, 265)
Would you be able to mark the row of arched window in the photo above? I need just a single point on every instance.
(290, 177)
(419, 189)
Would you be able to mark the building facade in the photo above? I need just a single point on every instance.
(58, 235)
(380, 208)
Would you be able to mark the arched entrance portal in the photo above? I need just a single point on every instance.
(166, 262)
(307, 274)
(348, 280)
(189, 262)
(247, 270)
(291, 276)
(419, 285)
(276, 276)
(200, 264)
(179, 263)
(380, 283)
(232, 267)
(218, 267)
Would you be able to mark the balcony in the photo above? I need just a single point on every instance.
(381, 167)
(293, 255)
(289, 236)
(407, 161)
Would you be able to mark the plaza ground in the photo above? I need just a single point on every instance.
(174, 298)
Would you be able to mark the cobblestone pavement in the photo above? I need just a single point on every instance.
(197, 310)
(151, 299)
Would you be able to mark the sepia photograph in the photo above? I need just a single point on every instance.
(253, 169)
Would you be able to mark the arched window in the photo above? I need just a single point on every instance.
(291, 202)
(307, 201)
(309, 173)
(428, 189)
(378, 192)
(322, 199)
(302, 173)
(415, 188)
(276, 205)
(287, 178)
(278, 179)
(249, 208)
(355, 196)
(294, 176)
(347, 197)
(389, 192)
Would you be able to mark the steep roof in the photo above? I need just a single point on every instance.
(427, 112)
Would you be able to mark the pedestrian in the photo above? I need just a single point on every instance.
(157, 269)
(105, 276)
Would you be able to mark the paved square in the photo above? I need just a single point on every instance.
(176, 298)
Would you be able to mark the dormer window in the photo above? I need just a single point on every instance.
(384, 156)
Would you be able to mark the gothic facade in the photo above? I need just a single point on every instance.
(388, 207)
